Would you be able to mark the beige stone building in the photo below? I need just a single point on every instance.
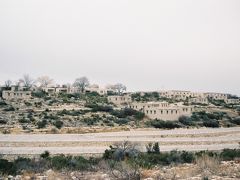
(232, 101)
(180, 95)
(217, 96)
(16, 93)
(120, 100)
(162, 110)
(199, 100)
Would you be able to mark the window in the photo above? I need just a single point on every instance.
(147, 111)
(171, 111)
(167, 111)
(161, 111)
(154, 111)
(151, 111)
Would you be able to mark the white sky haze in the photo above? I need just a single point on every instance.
(144, 44)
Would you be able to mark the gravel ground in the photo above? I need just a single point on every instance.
(193, 140)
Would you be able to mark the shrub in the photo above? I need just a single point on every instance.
(235, 120)
(3, 121)
(23, 120)
(211, 123)
(101, 108)
(39, 94)
(163, 124)
(122, 121)
(59, 162)
(2, 103)
(230, 154)
(7, 167)
(41, 124)
(185, 120)
(58, 124)
(153, 148)
(9, 109)
(45, 155)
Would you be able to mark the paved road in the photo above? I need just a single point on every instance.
(95, 143)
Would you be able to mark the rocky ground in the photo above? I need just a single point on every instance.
(208, 169)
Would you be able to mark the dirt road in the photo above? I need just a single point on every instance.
(96, 143)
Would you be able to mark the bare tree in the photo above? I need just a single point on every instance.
(26, 81)
(8, 83)
(120, 88)
(45, 81)
(81, 83)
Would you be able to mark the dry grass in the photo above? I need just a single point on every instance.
(207, 165)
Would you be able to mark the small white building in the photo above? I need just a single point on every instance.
(16, 93)
(162, 110)
(217, 96)
(232, 101)
(198, 100)
(120, 100)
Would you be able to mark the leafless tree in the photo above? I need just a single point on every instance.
(45, 81)
(8, 83)
(118, 166)
(120, 88)
(81, 83)
(26, 81)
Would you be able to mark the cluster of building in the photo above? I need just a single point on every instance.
(19, 92)
(159, 110)
(153, 110)
(165, 111)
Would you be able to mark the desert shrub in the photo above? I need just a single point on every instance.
(23, 120)
(91, 121)
(70, 113)
(41, 124)
(99, 108)
(58, 124)
(230, 154)
(139, 115)
(153, 148)
(2, 121)
(51, 117)
(127, 112)
(211, 123)
(7, 167)
(45, 155)
(122, 121)
(163, 124)
(72, 163)
(39, 94)
(120, 151)
(186, 120)
(235, 120)
(61, 161)
(3, 103)
(11, 108)
(27, 103)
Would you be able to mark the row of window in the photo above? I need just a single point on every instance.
(162, 111)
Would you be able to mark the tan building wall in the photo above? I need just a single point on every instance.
(120, 100)
(200, 100)
(8, 95)
(162, 110)
(232, 101)
(217, 96)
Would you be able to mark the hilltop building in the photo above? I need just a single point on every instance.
(16, 93)
(162, 110)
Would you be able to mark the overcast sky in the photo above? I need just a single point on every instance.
(145, 44)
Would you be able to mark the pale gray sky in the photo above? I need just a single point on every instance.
(145, 44)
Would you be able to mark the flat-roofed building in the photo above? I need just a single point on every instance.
(162, 110)
(14, 93)
(120, 100)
